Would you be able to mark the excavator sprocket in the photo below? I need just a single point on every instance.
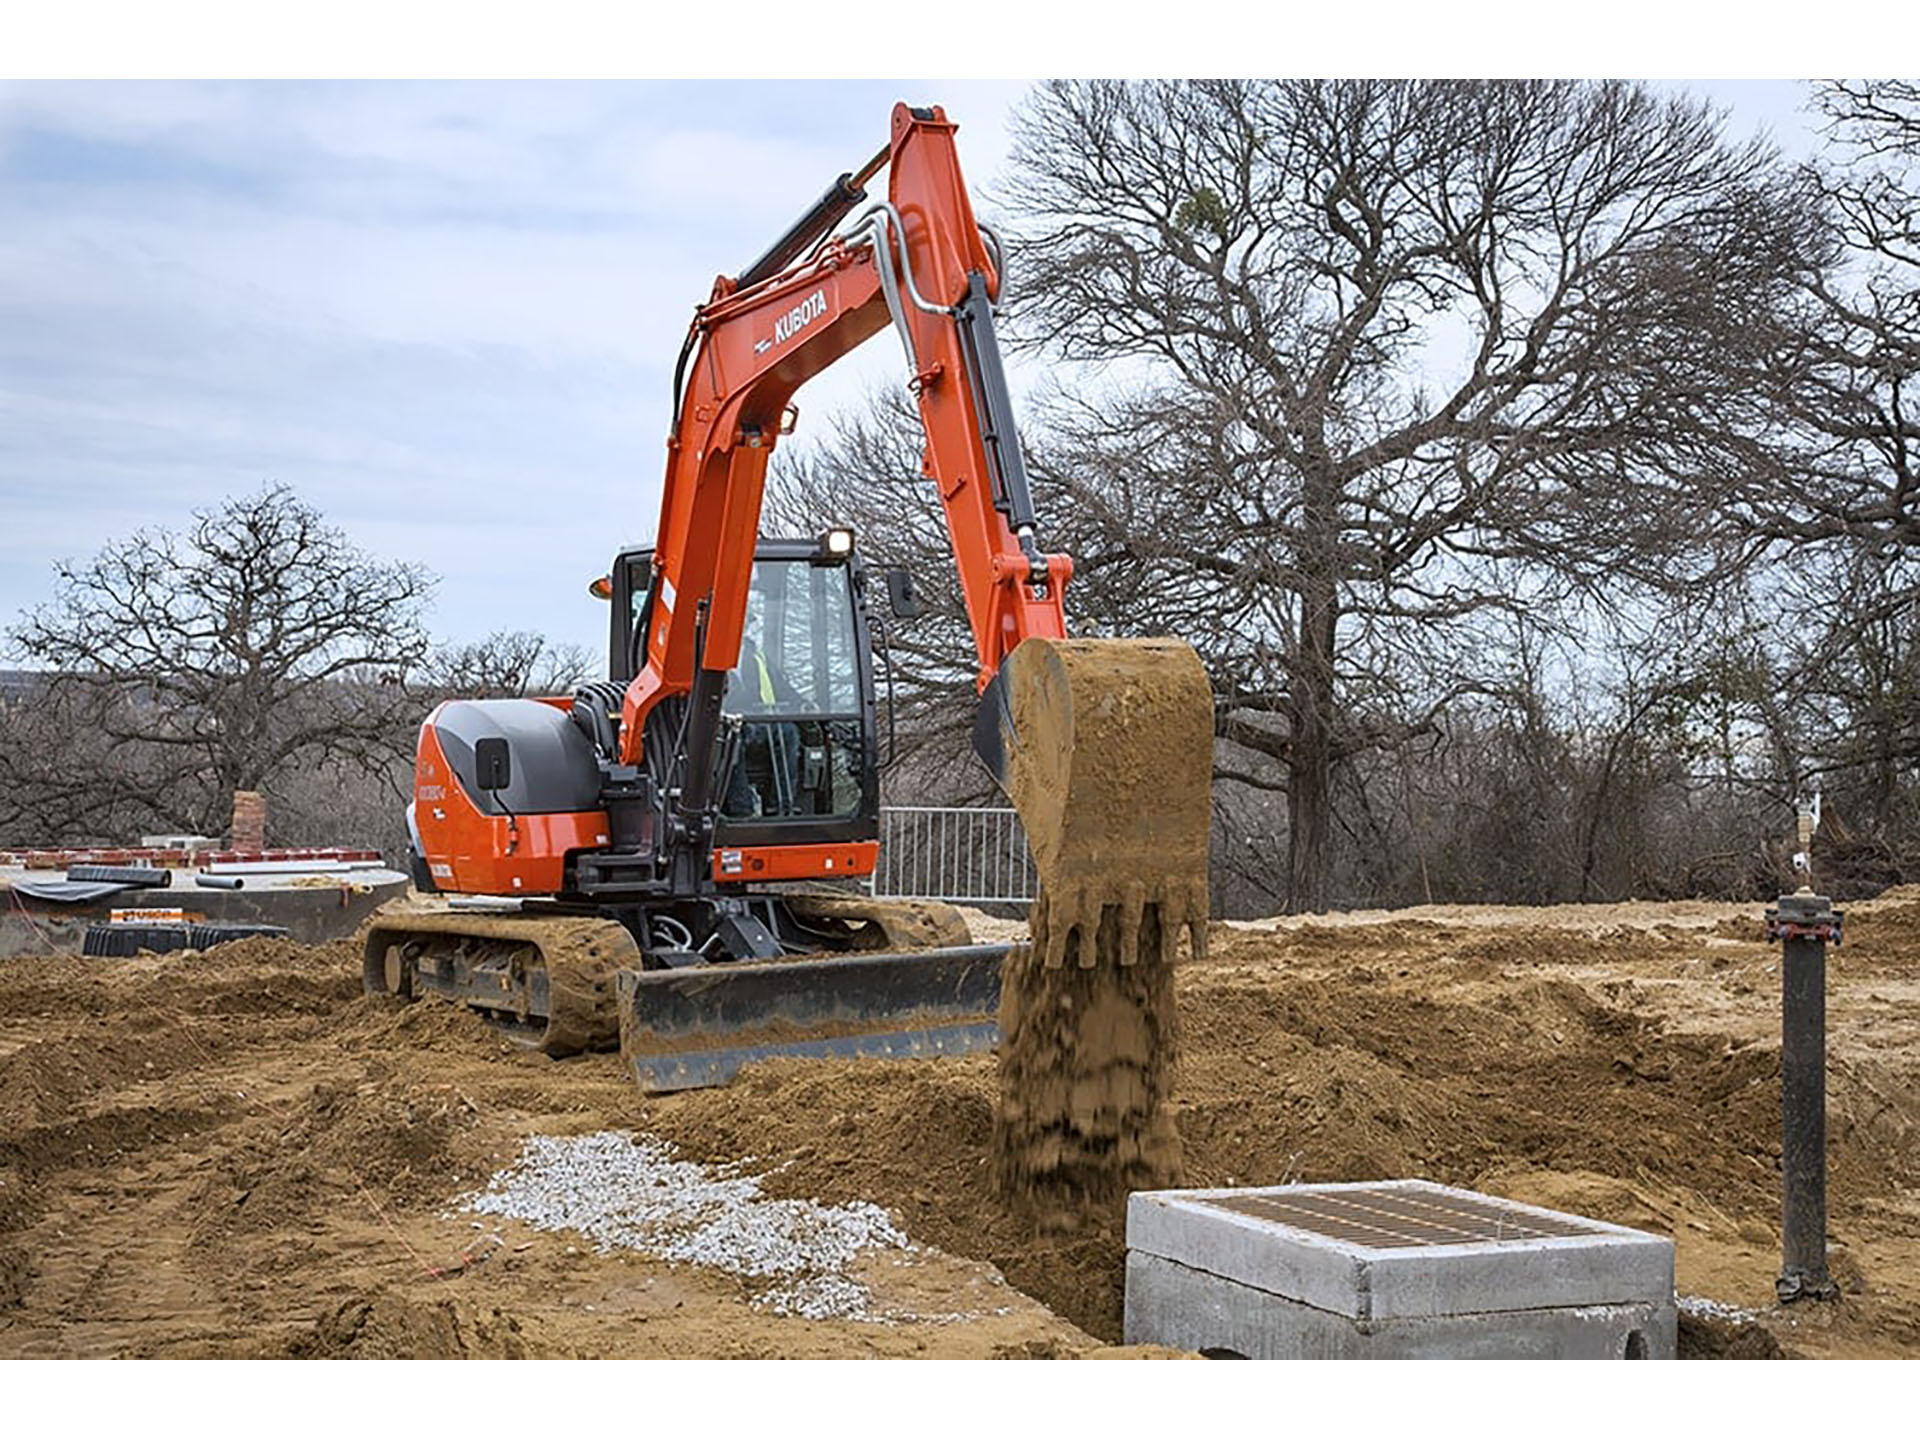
(547, 980)
(1106, 748)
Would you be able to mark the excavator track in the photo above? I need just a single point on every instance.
(547, 981)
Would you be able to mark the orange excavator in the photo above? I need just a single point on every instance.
(663, 858)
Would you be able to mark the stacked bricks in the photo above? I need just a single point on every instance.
(249, 821)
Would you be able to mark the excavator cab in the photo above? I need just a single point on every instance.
(803, 770)
(797, 693)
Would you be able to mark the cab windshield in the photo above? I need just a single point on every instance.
(797, 690)
(796, 650)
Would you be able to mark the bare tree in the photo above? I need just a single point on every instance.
(1363, 362)
(1843, 377)
(1839, 509)
(256, 638)
(63, 778)
(505, 664)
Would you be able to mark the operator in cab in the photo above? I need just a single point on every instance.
(770, 748)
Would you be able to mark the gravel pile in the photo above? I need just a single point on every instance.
(626, 1191)
(1699, 1305)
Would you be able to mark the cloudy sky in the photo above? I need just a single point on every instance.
(445, 313)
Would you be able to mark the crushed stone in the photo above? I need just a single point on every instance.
(627, 1191)
(1701, 1307)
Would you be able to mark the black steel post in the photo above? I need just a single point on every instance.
(1804, 922)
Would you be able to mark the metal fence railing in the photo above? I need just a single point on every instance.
(961, 853)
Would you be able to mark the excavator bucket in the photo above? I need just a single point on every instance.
(681, 1029)
(1106, 748)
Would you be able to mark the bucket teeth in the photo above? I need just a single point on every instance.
(1183, 910)
(1059, 931)
(1133, 905)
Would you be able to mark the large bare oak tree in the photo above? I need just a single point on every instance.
(203, 660)
(1354, 364)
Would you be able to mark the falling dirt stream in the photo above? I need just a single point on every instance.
(1110, 762)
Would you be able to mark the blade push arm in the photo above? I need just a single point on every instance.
(921, 262)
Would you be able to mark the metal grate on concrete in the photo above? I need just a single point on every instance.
(1390, 1218)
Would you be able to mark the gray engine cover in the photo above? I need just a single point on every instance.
(553, 765)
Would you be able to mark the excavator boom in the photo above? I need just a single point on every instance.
(1104, 746)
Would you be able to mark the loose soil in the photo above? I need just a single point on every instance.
(238, 1154)
(1088, 1018)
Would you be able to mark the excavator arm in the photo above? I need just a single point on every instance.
(920, 262)
(1105, 746)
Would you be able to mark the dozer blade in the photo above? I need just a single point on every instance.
(1106, 749)
(681, 1029)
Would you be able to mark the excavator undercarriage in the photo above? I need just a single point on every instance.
(892, 978)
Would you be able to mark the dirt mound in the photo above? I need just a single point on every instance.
(1299, 1081)
(16, 1269)
(379, 1324)
(375, 1025)
(395, 1142)
(1710, 1337)
(238, 1154)
(915, 1137)
(386, 1326)
(109, 1059)
(1407, 1054)
(1890, 929)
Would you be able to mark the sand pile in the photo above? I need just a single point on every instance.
(916, 1138)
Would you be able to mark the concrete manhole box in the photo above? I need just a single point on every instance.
(1396, 1269)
